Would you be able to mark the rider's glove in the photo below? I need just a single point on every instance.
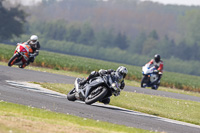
(117, 93)
(35, 54)
(32, 55)
(122, 85)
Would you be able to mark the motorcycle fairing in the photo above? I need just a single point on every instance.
(148, 70)
(24, 50)
(153, 77)
(93, 84)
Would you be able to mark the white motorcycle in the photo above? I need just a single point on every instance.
(149, 77)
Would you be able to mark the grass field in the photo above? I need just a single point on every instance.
(128, 82)
(182, 110)
(16, 118)
(86, 65)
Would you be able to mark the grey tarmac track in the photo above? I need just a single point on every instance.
(22, 95)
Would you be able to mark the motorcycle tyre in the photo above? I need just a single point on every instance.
(21, 66)
(155, 88)
(97, 98)
(13, 58)
(71, 95)
(143, 81)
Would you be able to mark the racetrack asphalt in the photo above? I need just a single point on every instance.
(22, 95)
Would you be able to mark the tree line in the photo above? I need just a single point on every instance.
(145, 28)
(82, 34)
(76, 40)
(110, 44)
(12, 21)
(146, 44)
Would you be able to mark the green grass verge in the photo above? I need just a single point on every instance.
(18, 118)
(182, 110)
(128, 82)
(86, 65)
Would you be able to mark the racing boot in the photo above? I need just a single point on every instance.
(28, 62)
(22, 66)
(106, 100)
(92, 75)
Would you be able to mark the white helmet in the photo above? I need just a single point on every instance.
(33, 39)
(122, 70)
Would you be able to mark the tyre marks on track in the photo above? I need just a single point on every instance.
(36, 88)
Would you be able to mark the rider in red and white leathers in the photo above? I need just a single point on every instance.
(158, 63)
(35, 46)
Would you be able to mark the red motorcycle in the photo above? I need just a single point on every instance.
(21, 55)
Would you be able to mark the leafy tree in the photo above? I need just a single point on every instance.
(87, 35)
(166, 47)
(196, 52)
(154, 35)
(56, 30)
(182, 50)
(121, 41)
(73, 33)
(190, 25)
(149, 45)
(137, 44)
(104, 39)
(11, 21)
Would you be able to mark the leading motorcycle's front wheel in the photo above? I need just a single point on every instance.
(144, 81)
(71, 95)
(96, 95)
(12, 60)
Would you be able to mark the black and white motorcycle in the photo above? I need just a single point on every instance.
(96, 89)
(149, 77)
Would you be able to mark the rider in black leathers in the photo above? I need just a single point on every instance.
(119, 76)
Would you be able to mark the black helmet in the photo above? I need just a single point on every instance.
(157, 58)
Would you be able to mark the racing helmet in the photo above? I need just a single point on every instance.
(33, 40)
(157, 58)
(122, 71)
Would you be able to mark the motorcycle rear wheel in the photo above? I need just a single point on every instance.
(155, 87)
(96, 95)
(12, 60)
(71, 95)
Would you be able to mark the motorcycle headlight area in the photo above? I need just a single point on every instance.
(115, 86)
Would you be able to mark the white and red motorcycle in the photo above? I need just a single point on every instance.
(21, 55)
